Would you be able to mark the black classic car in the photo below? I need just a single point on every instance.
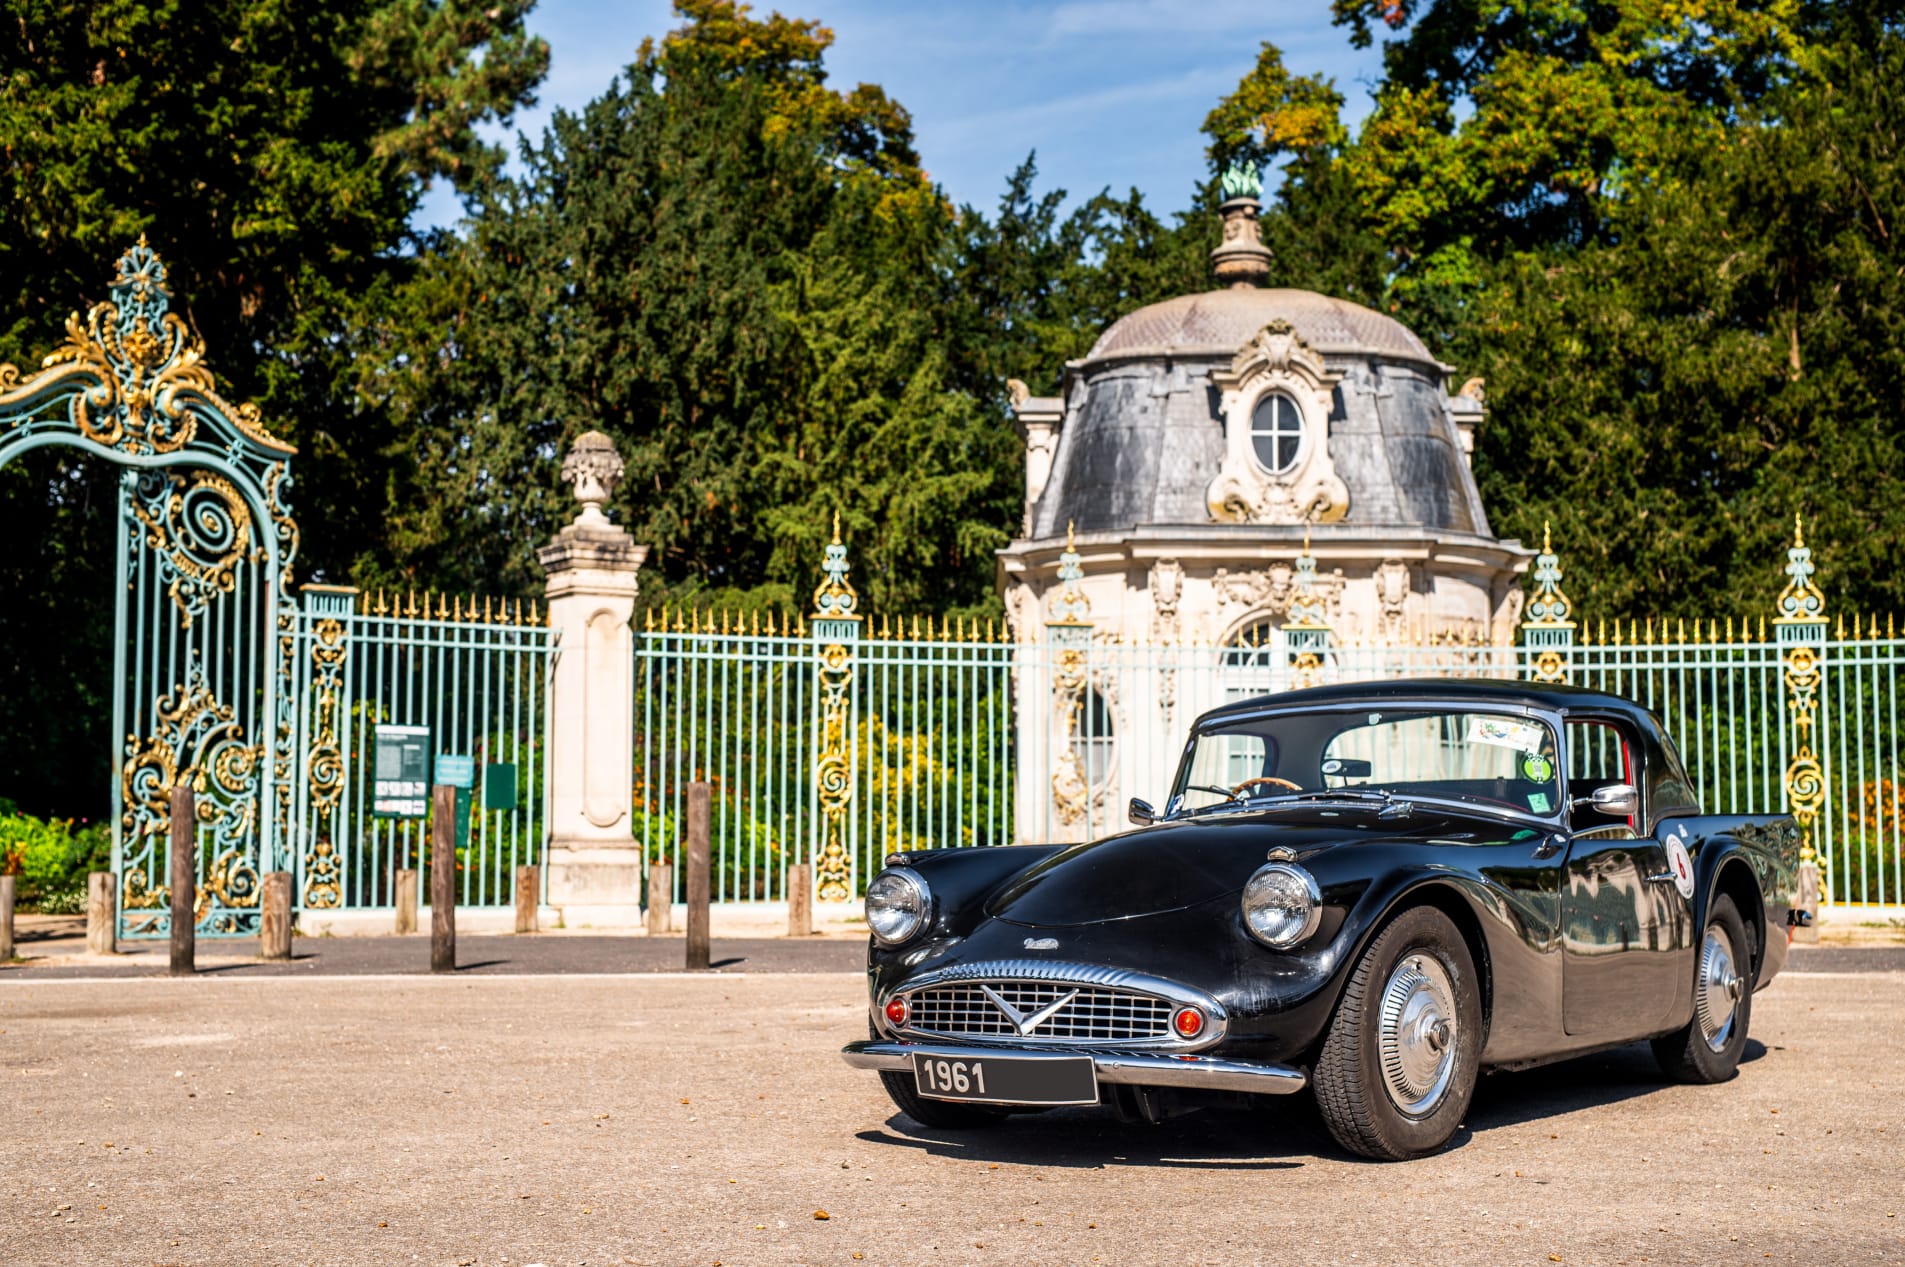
(1376, 891)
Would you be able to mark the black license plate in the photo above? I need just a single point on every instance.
(1007, 1079)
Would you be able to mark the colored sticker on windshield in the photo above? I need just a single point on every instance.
(1538, 802)
(1536, 768)
(1505, 733)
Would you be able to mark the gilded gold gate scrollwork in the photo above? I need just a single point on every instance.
(206, 521)
(199, 529)
(1802, 627)
(324, 765)
(198, 740)
(836, 626)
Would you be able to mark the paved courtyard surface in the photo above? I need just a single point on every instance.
(498, 1119)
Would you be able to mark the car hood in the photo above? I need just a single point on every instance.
(1172, 866)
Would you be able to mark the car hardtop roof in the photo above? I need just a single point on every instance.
(1555, 696)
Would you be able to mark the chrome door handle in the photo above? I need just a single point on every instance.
(1665, 877)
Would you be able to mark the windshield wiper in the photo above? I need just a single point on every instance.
(1391, 807)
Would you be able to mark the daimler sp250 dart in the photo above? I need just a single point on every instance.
(1376, 892)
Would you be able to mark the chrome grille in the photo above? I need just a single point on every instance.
(1092, 1015)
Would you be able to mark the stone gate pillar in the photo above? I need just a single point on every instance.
(595, 863)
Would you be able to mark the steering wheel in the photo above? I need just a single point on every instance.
(1265, 778)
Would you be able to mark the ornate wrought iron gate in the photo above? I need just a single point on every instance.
(205, 631)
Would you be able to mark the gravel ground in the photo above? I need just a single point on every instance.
(700, 1119)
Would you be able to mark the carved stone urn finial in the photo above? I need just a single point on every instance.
(1241, 261)
(595, 468)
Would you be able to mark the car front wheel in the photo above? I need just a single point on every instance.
(1708, 1049)
(1398, 1068)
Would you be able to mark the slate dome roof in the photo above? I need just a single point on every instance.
(1143, 432)
(1221, 321)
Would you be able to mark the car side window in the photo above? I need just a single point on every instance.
(1669, 790)
(1600, 754)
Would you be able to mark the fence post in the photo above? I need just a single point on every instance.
(328, 620)
(102, 912)
(800, 900)
(274, 911)
(443, 879)
(594, 860)
(1801, 629)
(1547, 634)
(661, 898)
(406, 900)
(184, 879)
(1068, 630)
(528, 898)
(1306, 634)
(6, 919)
(698, 823)
(836, 638)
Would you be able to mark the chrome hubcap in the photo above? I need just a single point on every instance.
(1717, 992)
(1417, 1034)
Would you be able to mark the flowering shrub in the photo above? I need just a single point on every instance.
(52, 857)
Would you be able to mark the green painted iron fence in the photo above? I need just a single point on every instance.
(834, 741)
(477, 682)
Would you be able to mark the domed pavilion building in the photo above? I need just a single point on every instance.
(1214, 459)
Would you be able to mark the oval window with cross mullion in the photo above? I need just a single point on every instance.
(1276, 432)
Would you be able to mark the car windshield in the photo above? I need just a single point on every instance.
(1500, 760)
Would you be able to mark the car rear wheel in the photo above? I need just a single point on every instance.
(1397, 1070)
(941, 1114)
(1708, 1048)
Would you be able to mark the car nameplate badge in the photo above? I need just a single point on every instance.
(1041, 943)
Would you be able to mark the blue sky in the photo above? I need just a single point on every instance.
(1109, 92)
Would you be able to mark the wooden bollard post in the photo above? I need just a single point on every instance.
(800, 900)
(406, 900)
(1807, 900)
(6, 919)
(443, 880)
(528, 897)
(661, 898)
(102, 912)
(698, 816)
(184, 880)
(274, 912)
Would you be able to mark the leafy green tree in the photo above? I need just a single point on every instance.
(1736, 355)
(1504, 126)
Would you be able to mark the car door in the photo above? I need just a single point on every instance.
(1623, 917)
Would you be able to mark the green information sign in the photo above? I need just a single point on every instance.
(401, 783)
(499, 786)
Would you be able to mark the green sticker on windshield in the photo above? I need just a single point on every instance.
(1537, 769)
(1538, 802)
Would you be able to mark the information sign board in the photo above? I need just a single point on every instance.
(401, 782)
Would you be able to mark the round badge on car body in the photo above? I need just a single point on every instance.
(1680, 862)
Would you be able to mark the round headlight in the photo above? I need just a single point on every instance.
(897, 903)
(1282, 905)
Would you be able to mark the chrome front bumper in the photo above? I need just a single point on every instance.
(1209, 1073)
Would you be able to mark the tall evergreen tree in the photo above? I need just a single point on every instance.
(729, 268)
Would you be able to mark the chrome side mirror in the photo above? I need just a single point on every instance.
(1141, 813)
(1616, 800)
